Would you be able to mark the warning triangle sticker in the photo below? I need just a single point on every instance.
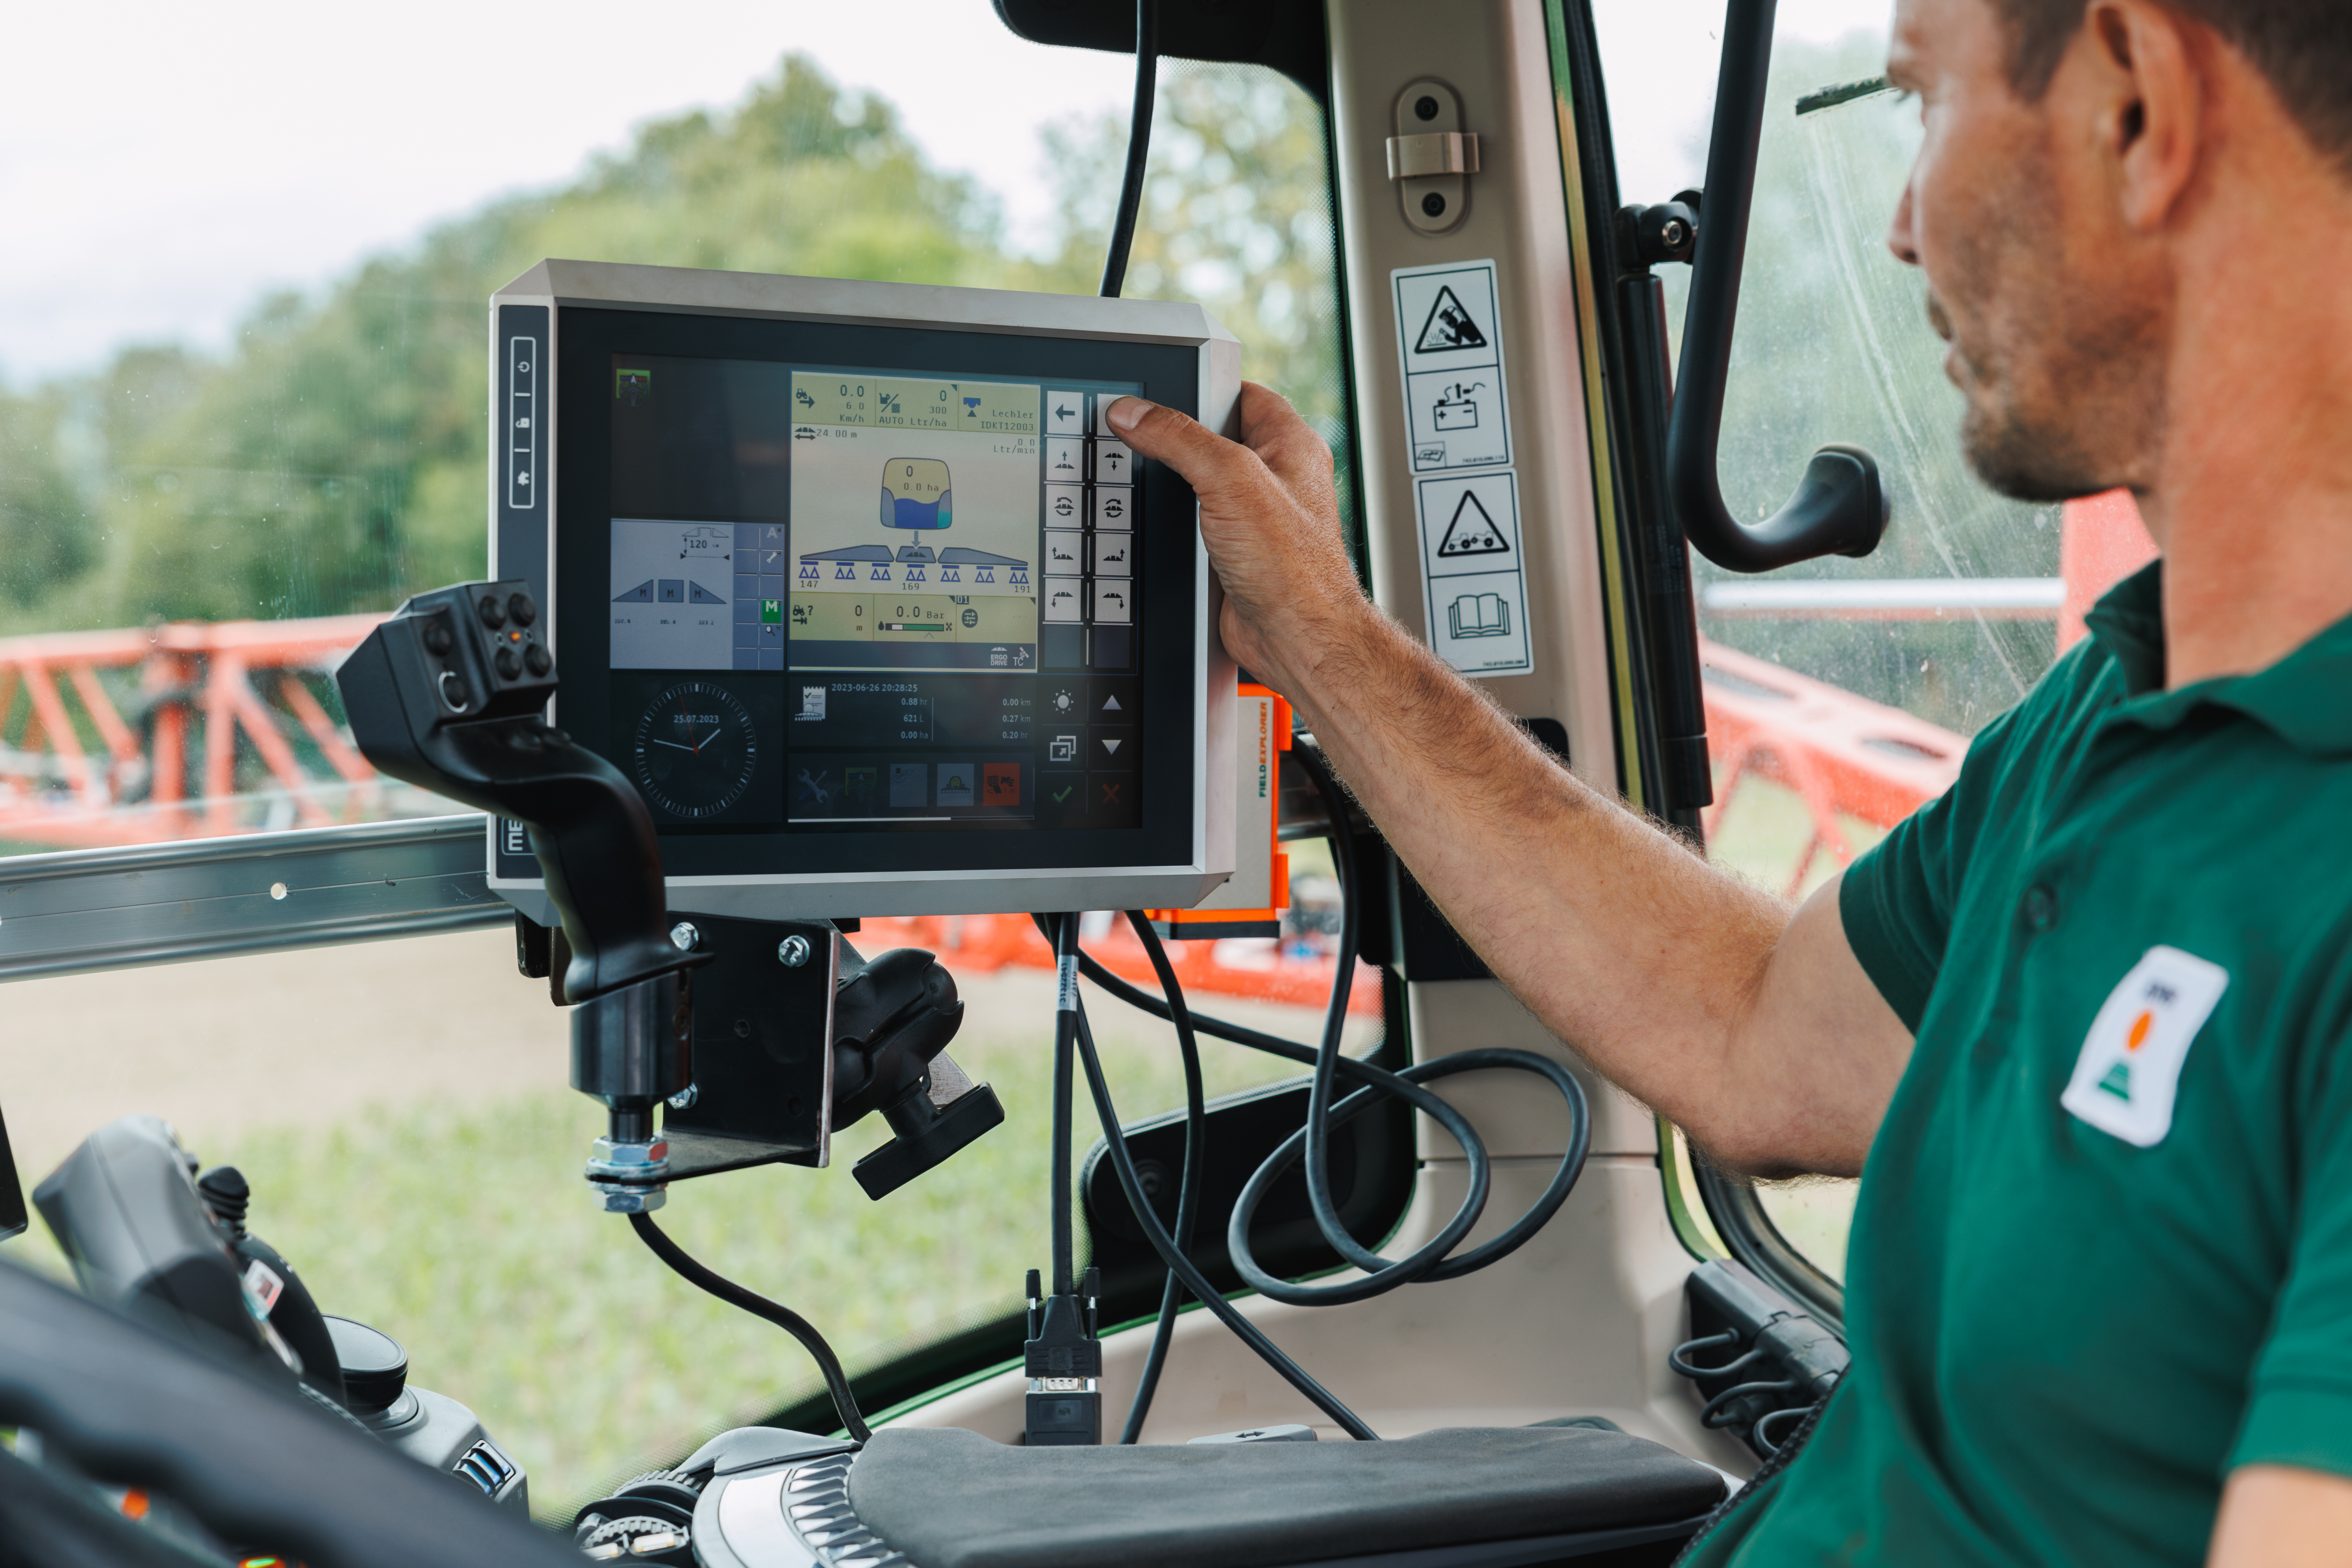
(1449, 326)
(1472, 532)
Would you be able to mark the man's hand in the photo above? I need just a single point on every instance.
(1752, 1026)
(1271, 520)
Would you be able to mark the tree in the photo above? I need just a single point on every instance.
(337, 460)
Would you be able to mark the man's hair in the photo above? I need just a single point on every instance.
(2303, 48)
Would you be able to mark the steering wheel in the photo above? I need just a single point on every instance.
(254, 1464)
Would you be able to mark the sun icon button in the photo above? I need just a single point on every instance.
(1064, 701)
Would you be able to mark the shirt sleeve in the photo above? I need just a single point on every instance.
(2299, 1398)
(1898, 898)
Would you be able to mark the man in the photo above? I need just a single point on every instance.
(2101, 1282)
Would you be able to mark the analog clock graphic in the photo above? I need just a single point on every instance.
(695, 751)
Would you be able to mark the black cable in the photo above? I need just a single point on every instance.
(1712, 1414)
(1240, 1035)
(1764, 1440)
(836, 1382)
(1123, 1165)
(1139, 146)
(1431, 1263)
(1065, 1024)
(1188, 1192)
(1678, 1359)
(1401, 1084)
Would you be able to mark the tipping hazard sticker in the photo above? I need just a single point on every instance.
(1450, 335)
(1457, 415)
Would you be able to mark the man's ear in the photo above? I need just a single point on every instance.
(2146, 72)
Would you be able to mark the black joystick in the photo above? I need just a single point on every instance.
(448, 695)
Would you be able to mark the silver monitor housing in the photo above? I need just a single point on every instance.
(525, 505)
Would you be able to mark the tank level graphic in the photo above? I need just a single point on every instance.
(916, 494)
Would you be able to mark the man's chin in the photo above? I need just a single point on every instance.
(2023, 461)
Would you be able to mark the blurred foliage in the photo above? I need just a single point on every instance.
(1834, 345)
(1237, 215)
(336, 460)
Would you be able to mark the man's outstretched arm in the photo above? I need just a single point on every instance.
(1752, 1028)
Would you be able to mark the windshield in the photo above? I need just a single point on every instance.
(242, 392)
(1841, 694)
(242, 395)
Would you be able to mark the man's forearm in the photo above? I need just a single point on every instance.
(1650, 962)
(1757, 1032)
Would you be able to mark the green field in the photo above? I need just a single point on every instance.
(465, 1232)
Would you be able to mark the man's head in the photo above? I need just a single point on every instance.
(2072, 150)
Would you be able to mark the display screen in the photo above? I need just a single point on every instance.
(843, 598)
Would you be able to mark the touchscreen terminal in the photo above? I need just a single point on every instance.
(855, 584)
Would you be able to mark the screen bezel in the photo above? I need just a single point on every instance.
(586, 339)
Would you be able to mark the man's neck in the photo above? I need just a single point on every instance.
(2253, 501)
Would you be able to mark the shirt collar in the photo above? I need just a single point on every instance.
(2306, 698)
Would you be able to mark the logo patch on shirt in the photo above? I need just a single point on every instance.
(2129, 1070)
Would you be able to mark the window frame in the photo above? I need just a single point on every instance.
(1653, 610)
(80, 910)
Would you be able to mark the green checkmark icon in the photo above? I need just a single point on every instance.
(1065, 795)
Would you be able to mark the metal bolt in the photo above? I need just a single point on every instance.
(683, 936)
(1425, 107)
(684, 1099)
(1676, 234)
(793, 951)
(1433, 205)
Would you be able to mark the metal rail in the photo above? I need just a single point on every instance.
(161, 903)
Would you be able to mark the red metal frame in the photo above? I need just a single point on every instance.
(191, 687)
(78, 773)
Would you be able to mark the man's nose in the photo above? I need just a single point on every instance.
(1900, 239)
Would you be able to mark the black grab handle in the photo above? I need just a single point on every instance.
(1840, 508)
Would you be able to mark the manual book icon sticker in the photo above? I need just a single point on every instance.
(2129, 1070)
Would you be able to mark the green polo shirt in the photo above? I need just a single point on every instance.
(2103, 1249)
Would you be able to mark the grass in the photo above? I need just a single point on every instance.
(465, 1232)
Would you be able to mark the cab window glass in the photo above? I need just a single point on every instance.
(202, 505)
(400, 1111)
(235, 392)
(1841, 694)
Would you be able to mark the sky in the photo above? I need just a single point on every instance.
(163, 165)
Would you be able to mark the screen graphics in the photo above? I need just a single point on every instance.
(847, 599)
